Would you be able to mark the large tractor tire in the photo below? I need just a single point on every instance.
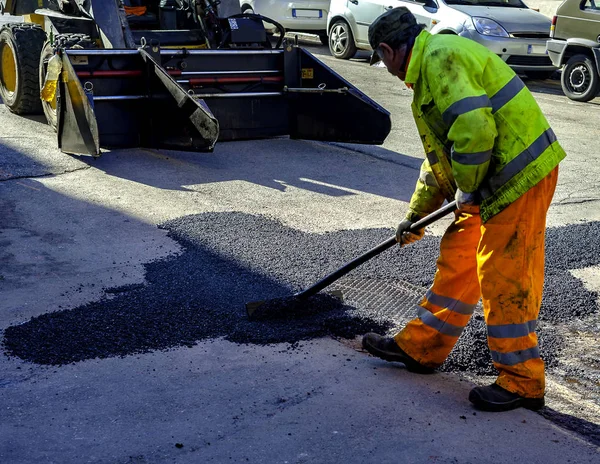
(62, 41)
(67, 41)
(20, 47)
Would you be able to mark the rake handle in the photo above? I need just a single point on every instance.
(390, 242)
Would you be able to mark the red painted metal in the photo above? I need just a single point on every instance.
(235, 80)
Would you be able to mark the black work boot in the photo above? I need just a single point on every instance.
(387, 348)
(495, 398)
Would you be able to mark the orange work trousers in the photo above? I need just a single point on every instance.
(500, 262)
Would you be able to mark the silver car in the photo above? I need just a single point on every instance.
(294, 15)
(507, 27)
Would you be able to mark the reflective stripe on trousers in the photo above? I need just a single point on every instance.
(501, 262)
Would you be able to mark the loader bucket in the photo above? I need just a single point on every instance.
(77, 127)
(266, 93)
(127, 100)
(324, 106)
(173, 98)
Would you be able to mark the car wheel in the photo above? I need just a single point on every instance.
(580, 80)
(539, 75)
(324, 39)
(341, 41)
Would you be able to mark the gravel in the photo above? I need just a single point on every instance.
(229, 259)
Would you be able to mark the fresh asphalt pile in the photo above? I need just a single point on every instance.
(229, 259)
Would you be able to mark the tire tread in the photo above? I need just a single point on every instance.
(594, 87)
(29, 40)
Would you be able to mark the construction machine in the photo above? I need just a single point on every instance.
(171, 74)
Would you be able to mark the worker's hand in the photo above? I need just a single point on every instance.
(404, 237)
(467, 202)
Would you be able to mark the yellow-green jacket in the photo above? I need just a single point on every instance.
(481, 128)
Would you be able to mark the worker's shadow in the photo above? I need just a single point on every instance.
(334, 170)
(589, 430)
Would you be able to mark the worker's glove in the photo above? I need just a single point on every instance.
(467, 202)
(404, 237)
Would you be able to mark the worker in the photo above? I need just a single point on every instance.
(489, 147)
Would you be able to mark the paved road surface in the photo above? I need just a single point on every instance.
(72, 228)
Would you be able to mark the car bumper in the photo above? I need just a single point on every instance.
(520, 54)
(555, 50)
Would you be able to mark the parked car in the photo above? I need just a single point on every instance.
(507, 27)
(575, 44)
(296, 15)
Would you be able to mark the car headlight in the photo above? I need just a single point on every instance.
(489, 27)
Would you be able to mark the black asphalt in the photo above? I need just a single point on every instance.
(229, 259)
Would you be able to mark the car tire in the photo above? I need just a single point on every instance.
(539, 75)
(341, 41)
(20, 47)
(580, 80)
(324, 39)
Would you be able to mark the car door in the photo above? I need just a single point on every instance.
(365, 12)
(585, 23)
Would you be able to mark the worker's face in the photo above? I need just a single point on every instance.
(393, 59)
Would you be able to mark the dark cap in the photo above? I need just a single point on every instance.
(389, 25)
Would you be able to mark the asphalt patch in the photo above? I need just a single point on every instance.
(292, 307)
(229, 259)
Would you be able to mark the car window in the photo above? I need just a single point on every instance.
(591, 5)
(498, 3)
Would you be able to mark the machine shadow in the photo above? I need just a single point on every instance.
(279, 163)
(333, 170)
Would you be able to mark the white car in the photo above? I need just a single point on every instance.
(296, 16)
(507, 27)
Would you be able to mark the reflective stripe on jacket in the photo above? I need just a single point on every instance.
(481, 128)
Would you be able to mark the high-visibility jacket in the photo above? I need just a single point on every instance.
(481, 128)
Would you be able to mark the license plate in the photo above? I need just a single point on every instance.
(536, 50)
(307, 13)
